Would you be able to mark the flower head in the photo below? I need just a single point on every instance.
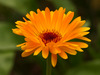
(50, 32)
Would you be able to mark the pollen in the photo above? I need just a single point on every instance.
(50, 36)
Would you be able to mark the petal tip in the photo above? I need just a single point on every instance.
(34, 54)
(47, 8)
(54, 65)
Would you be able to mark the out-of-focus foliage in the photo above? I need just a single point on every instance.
(89, 68)
(11, 62)
(7, 40)
(64, 3)
(6, 62)
(22, 6)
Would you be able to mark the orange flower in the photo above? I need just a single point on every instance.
(51, 31)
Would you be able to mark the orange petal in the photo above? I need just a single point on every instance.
(79, 30)
(48, 17)
(53, 50)
(20, 45)
(28, 16)
(45, 52)
(74, 46)
(34, 38)
(79, 49)
(84, 33)
(31, 49)
(54, 19)
(37, 24)
(58, 50)
(66, 21)
(74, 23)
(82, 23)
(67, 38)
(59, 19)
(25, 54)
(42, 19)
(20, 22)
(80, 44)
(76, 20)
(70, 45)
(70, 28)
(24, 47)
(85, 28)
(68, 50)
(17, 31)
(38, 51)
(84, 38)
(27, 33)
(63, 55)
(53, 59)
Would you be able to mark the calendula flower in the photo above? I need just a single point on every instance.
(50, 32)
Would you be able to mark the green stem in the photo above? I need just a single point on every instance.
(48, 66)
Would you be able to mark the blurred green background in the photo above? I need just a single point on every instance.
(11, 62)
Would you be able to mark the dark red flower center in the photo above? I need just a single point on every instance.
(50, 36)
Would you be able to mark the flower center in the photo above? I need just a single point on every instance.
(50, 36)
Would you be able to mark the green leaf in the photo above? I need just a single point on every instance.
(89, 68)
(22, 6)
(8, 39)
(6, 62)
